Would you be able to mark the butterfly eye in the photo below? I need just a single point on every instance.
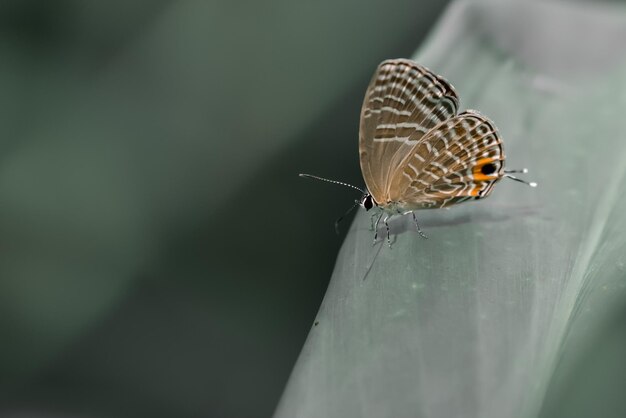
(368, 202)
(488, 169)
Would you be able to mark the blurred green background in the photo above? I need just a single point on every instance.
(159, 256)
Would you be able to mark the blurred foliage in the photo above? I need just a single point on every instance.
(158, 254)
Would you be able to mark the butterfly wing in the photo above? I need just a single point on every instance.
(460, 159)
(403, 102)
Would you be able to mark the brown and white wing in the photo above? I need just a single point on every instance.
(403, 102)
(458, 160)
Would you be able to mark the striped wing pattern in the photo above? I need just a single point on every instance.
(403, 102)
(460, 159)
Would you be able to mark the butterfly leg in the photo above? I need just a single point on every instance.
(373, 224)
(356, 203)
(387, 226)
(376, 227)
(418, 226)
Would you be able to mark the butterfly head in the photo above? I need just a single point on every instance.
(367, 202)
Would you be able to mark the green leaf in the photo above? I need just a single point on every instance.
(513, 300)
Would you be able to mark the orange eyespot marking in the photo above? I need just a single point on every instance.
(484, 169)
(474, 192)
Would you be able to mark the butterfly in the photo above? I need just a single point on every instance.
(416, 151)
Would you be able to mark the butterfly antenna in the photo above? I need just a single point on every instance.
(356, 203)
(310, 176)
(523, 170)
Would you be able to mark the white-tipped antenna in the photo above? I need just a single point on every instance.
(331, 181)
(523, 170)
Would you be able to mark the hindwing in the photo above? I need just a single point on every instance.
(459, 159)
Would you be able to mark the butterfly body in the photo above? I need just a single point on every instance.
(416, 151)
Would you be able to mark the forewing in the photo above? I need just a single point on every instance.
(458, 160)
(403, 102)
